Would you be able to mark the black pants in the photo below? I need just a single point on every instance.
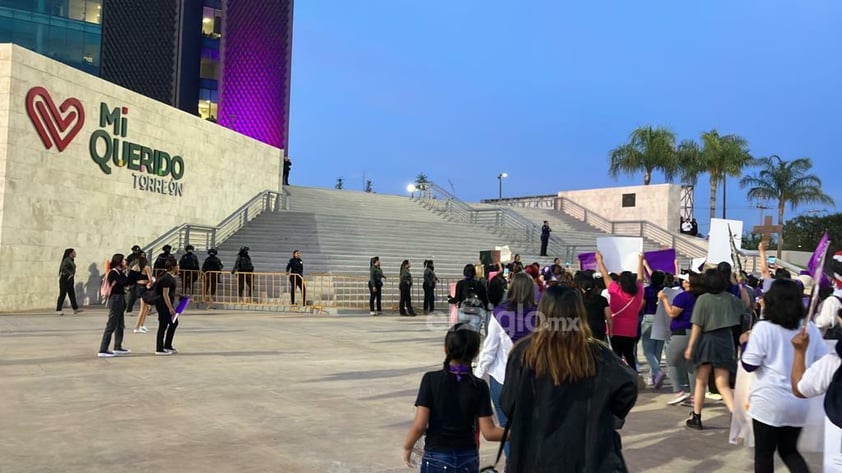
(286, 178)
(767, 439)
(297, 281)
(166, 328)
(65, 289)
(187, 280)
(375, 295)
(544, 241)
(624, 348)
(405, 301)
(210, 281)
(429, 298)
(116, 323)
(133, 296)
(242, 280)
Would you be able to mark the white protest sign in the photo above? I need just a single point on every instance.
(505, 254)
(620, 253)
(719, 243)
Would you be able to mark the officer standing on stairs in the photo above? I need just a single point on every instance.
(545, 237)
(189, 270)
(295, 268)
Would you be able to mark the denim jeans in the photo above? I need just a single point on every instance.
(497, 389)
(652, 349)
(460, 461)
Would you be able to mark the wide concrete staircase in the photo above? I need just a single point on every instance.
(339, 231)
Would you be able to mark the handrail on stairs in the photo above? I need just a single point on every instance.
(204, 237)
(500, 220)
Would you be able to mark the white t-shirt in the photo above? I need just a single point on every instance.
(818, 376)
(770, 348)
(828, 311)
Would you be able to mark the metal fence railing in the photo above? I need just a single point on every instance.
(274, 290)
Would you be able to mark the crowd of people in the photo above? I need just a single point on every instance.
(559, 351)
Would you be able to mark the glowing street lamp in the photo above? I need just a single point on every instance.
(500, 179)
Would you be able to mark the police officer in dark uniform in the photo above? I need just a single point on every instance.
(295, 268)
(211, 273)
(158, 267)
(188, 270)
(545, 237)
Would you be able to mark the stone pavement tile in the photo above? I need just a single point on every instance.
(259, 392)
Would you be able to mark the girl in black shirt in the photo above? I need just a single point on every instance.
(165, 286)
(116, 309)
(450, 403)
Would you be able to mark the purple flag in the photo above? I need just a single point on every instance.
(182, 304)
(661, 260)
(587, 261)
(815, 266)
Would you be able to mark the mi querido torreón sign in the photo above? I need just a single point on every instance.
(154, 170)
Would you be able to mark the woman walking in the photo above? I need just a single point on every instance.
(165, 286)
(405, 287)
(117, 280)
(429, 285)
(625, 300)
(66, 275)
(140, 275)
(451, 404)
(596, 306)
(711, 345)
(375, 286)
(565, 394)
(514, 319)
(680, 310)
(777, 415)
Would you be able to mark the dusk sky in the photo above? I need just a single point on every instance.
(543, 89)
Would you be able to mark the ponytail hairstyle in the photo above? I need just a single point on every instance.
(462, 344)
(372, 261)
(66, 254)
(404, 264)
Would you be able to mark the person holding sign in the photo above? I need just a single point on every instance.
(625, 301)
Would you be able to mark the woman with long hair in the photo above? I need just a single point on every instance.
(596, 306)
(165, 286)
(429, 286)
(565, 393)
(117, 280)
(777, 414)
(66, 275)
(625, 300)
(375, 285)
(680, 310)
(514, 319)
(711, 344)
(141, 275)
(405, 288)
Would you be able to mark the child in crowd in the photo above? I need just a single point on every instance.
(450, 403)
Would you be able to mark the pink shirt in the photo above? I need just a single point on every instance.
(625, 313)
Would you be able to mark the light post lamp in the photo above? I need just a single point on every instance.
(500, 179)
(411, 189)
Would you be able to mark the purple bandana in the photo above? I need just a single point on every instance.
(459, 370)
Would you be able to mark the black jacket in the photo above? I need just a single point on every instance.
(212, 263)
(189, 262)
(568, 428)
(295, 266)
(465, 287)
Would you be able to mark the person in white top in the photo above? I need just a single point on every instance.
(777, 414)
(514, 319)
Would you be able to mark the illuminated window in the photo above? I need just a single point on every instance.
(212, 22)
(208, 104)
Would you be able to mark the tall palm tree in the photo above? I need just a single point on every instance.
(648, 149)
(788, 182)
(719, 156)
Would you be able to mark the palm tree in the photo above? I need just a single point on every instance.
(719, 156)
(648, 149)
(788, 182)
(421, 181)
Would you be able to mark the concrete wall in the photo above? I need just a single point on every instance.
(51, 199)
(659, 204)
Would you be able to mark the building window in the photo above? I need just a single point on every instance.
(212, 23)
(208, 104)
(629, 200)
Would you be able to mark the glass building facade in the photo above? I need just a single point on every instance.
(68, 31)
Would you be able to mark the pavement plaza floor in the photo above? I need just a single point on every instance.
(263, 392)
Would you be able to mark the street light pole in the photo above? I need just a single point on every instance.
(500, 179)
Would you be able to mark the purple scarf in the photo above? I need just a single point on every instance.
(459, 370)
(517, 323)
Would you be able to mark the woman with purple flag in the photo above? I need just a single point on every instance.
(514, 319)
(167, 323)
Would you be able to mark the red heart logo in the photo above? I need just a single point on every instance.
(57, 125)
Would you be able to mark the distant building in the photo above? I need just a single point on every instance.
(228, 61)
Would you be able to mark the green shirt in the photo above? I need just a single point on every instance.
(375, 276)
(67, 269)
(716, 311)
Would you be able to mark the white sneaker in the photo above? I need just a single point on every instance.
(137, 330)
(58, 312)
(122, 351)
(143, 329)
(105, 354)
(679, 397)
(163, 353)
(372, 313)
